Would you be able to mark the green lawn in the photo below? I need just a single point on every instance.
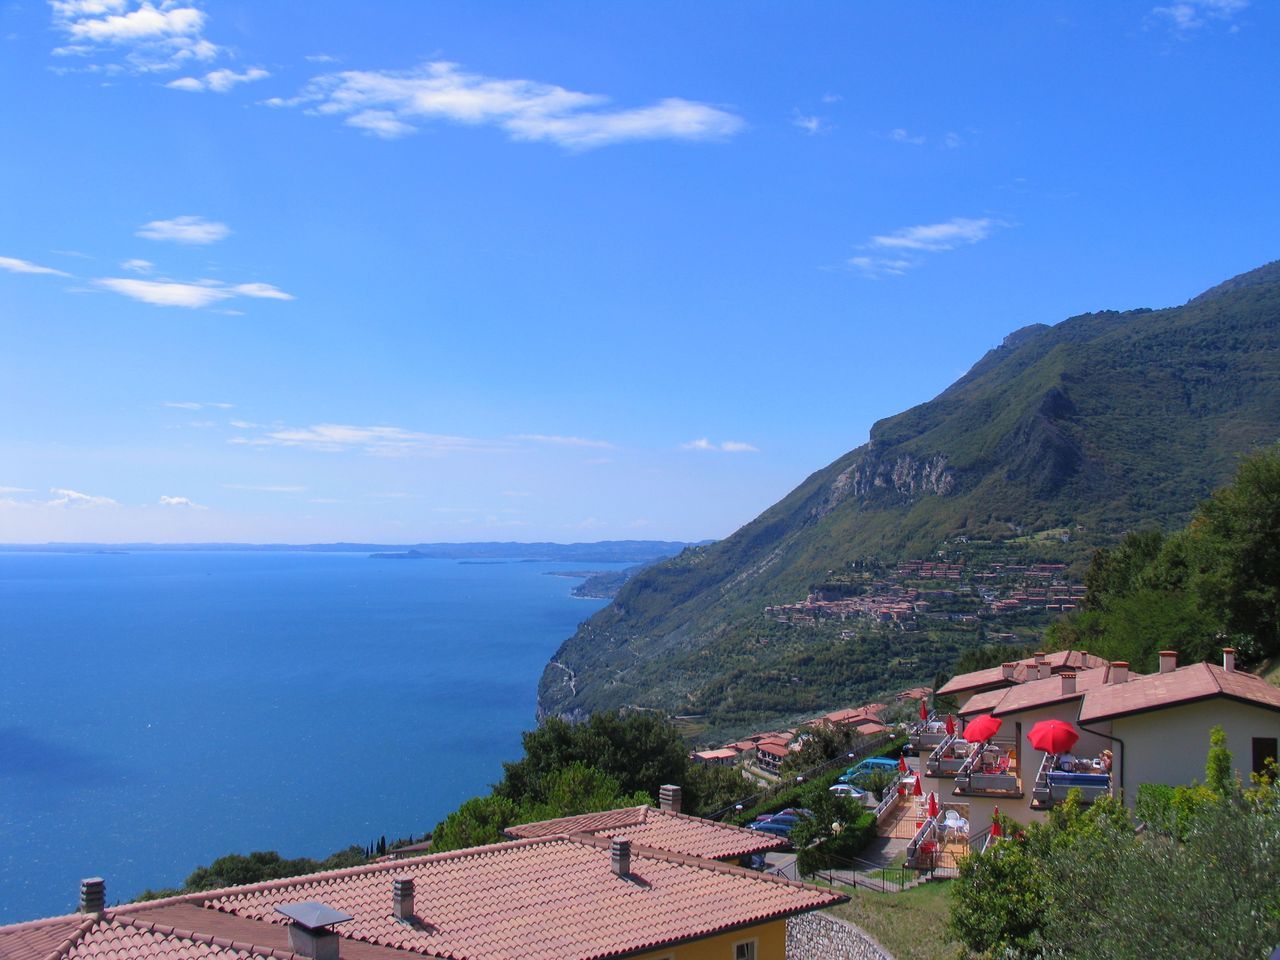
(911, 925)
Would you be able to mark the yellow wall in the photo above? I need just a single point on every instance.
(770, 937)
(1171, 745)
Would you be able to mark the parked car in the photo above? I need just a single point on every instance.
(769, 826)
(856, 773)
(848, 790)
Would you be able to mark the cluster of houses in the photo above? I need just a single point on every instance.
(768, 750)
(642, 882)
(997, 588)
(1023, 735)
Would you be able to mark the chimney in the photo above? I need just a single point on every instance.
(93, 895)
(1119, 671)
(621, 851)
(1006, 670)
(1040, 656)
(1045, 671)
(1068, 682)
(309, 933)
(1229, 659)
(402, 898)
(669, 797)
(1168, 661)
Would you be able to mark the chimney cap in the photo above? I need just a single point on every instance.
(1228, 649)
(313, 915)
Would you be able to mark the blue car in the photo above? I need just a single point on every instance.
(856, 773)
(768, 826)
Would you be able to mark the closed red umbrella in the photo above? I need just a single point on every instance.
(902, 763)
(1053, 736)
(933, 804)
(924, 711)
(995, 822)
(951, 725)
(982, 727)
(916, 790)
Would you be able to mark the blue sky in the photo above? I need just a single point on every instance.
(574, 271)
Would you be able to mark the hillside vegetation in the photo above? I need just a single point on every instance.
(1097, 425)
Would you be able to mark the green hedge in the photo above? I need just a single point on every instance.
(837, 851)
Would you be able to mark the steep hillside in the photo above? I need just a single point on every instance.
(1100, 423)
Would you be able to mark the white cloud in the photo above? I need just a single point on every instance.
(951, 140)
(564, 441)
(906, 245)
(1193, 14)
(217, 81)
(193, 405)
(137, 266)
(831, 98)
(391, 104)
(184, 230)
(376, 440)
(14, 265)
(956, 232)
(180, 502)
(202, 293)
(150, 37)
(900, 135)
(811, 125)
(728, 446)
(321, 58)
(15, 490)
(73, 498)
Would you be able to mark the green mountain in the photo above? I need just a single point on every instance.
(1097, 424)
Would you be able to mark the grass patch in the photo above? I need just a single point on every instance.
(911, 925)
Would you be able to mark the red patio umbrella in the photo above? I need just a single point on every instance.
(933, 804)
(1053, 736)
(982, 727)
(902, 763)
(924, 711)
(995, 822)
(951, 725)
(916, 790)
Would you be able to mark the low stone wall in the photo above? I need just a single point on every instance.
(820, 936)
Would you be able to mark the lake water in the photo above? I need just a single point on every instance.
(158, 710)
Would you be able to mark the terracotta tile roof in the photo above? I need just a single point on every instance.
(660, 829)
(994, 676)
(1196, 681)
(778, 748)
(553, 898)
(111, 937)
(1042, 693)
(983, 702)
(38, 939)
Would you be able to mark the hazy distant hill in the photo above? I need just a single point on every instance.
(1097, 424)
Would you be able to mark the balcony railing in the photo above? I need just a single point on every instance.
(988, 775)
(891, 798)
(1052, 784)
(946, 759)
(925, 735)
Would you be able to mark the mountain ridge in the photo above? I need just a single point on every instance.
(1104, 421)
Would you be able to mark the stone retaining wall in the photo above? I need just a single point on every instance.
(820, 936)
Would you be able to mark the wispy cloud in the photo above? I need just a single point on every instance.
(900, 135)
(727, 446)
(73, 498)
(194, 405)
(902, 250)
(564, 441)
(15, 489)
(376, 440)
(148, 37)
(267, 487)
(217, 81)
(1192, 14)
(14, 265)
(202, 293)
(809, 123)
(137, 266)
(195, 230)
(180, 502)
(392, 104)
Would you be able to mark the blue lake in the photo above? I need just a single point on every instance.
(158, 710)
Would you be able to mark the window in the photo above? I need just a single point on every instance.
(1264, 749)
(745, 950)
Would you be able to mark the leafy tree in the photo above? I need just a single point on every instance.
(1217, 767)
(236, 869)
(998, 902)
(708, 788)
(479, 821)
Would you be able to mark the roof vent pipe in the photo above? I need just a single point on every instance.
(402, 898)
(1068, 682)
(621, 855)
(1120, 671)
(1229, 659)
(309, 933)
(1006, 670)
(1168, 661)
(669, 797)
(93, 895)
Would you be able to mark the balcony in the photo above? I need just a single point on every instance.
(925, 735)
(1059, 775)
(990, 771)
(948, 756)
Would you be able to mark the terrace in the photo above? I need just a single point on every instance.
(925, 735)
(991, 771)
(949, 756)
(1061, 773)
